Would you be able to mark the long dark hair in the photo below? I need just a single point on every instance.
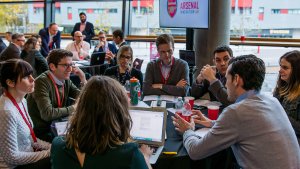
(101, 119)
(30, 44)
(291, 88)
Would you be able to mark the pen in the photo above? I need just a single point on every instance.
(170, 153)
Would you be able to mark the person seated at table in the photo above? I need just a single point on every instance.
(255, 126)
(166, 75)
(19, 147)
(110, 49)
(287, 90)
(79, 47)
(99, 131)
(212, 79)
(53, 89)
(124, 70)
(31, 54)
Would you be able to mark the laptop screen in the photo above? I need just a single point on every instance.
(148, 126)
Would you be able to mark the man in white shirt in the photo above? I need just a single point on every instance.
(78, 47)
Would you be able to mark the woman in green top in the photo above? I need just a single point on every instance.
(98, 135)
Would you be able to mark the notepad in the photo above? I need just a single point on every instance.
(161, 97)
(61, 128)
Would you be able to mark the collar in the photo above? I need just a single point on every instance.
(246, 95)
(57, 81)
(83, 23)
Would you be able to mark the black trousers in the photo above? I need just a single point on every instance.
(41, 164)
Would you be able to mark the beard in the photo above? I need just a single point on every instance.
(83, 20)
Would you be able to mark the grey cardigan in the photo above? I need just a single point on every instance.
(179, 70)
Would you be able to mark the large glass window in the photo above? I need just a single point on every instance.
(144, 19)
(21, 17)
(258, 18)
(104, 15)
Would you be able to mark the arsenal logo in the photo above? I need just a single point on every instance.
(172, 7)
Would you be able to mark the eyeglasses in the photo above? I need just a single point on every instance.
(66, 66)
(125, 57)
(22, 40)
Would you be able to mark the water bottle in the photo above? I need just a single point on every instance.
(179, 106)
(134, 89)
(187, 111)
(127, 88)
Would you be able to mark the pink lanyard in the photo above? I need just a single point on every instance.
(13, 100)
(59, 101)
(163, 79)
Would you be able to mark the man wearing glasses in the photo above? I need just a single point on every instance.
(78, 47)
(212, 78)
(50, 39)
(53, 90)
(109, 48)
(13, 50)
(166, 75)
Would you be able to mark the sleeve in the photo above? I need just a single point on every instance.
(222, 135)
(92, 31)
(9, 148)
(73, 92)
(149, 80)
(44, 47)
(44, 104)
(139, 75)
(175, 90)
(198, 90)
(138, 160)
(220, 92)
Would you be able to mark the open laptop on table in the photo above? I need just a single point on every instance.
(149, 127)
(97, 58)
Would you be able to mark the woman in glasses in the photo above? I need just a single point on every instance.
(123, 70)
(288, 87)
(98, 135)
(31, 54)
(19, 147)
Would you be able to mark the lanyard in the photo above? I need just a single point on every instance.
(13, 100)
(165, 79)
(59, 101)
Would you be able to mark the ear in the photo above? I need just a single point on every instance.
(238, 81)
(52, 67)
(10, 83)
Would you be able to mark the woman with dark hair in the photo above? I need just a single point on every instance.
(123, 70)
(19, 146)
(288, 87)
(31, 54)
(98, 134)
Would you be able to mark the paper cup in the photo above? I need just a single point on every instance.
(213, 112)
(191, 100)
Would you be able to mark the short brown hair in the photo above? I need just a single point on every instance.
(101, 119)
(56, 55)
(164, 39)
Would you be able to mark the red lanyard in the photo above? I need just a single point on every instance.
(13, 100)
(59, 101)
(163, 79)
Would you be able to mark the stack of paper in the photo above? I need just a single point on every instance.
(161, 97)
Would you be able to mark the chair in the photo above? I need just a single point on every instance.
(137, 63)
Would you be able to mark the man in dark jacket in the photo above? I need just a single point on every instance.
(86, 28)
(50, 39)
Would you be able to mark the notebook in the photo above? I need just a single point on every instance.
(149, 127)
(97, 58)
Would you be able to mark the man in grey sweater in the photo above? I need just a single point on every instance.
(255, 126)
(166, 75)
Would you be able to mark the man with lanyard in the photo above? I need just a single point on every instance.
(78, 47)
(212, 78)
(255, 126)
(53, 88)
(50, 39)
(166, 75)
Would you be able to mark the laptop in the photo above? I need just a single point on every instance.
(188, 56)
(97, 58)
(149, 127)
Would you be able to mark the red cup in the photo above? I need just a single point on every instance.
(128, 94)
(213, 112)
(186, 118)
(191, 100)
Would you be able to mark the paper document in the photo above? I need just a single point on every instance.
(161, 97)
(202, 132)
(61, 128)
